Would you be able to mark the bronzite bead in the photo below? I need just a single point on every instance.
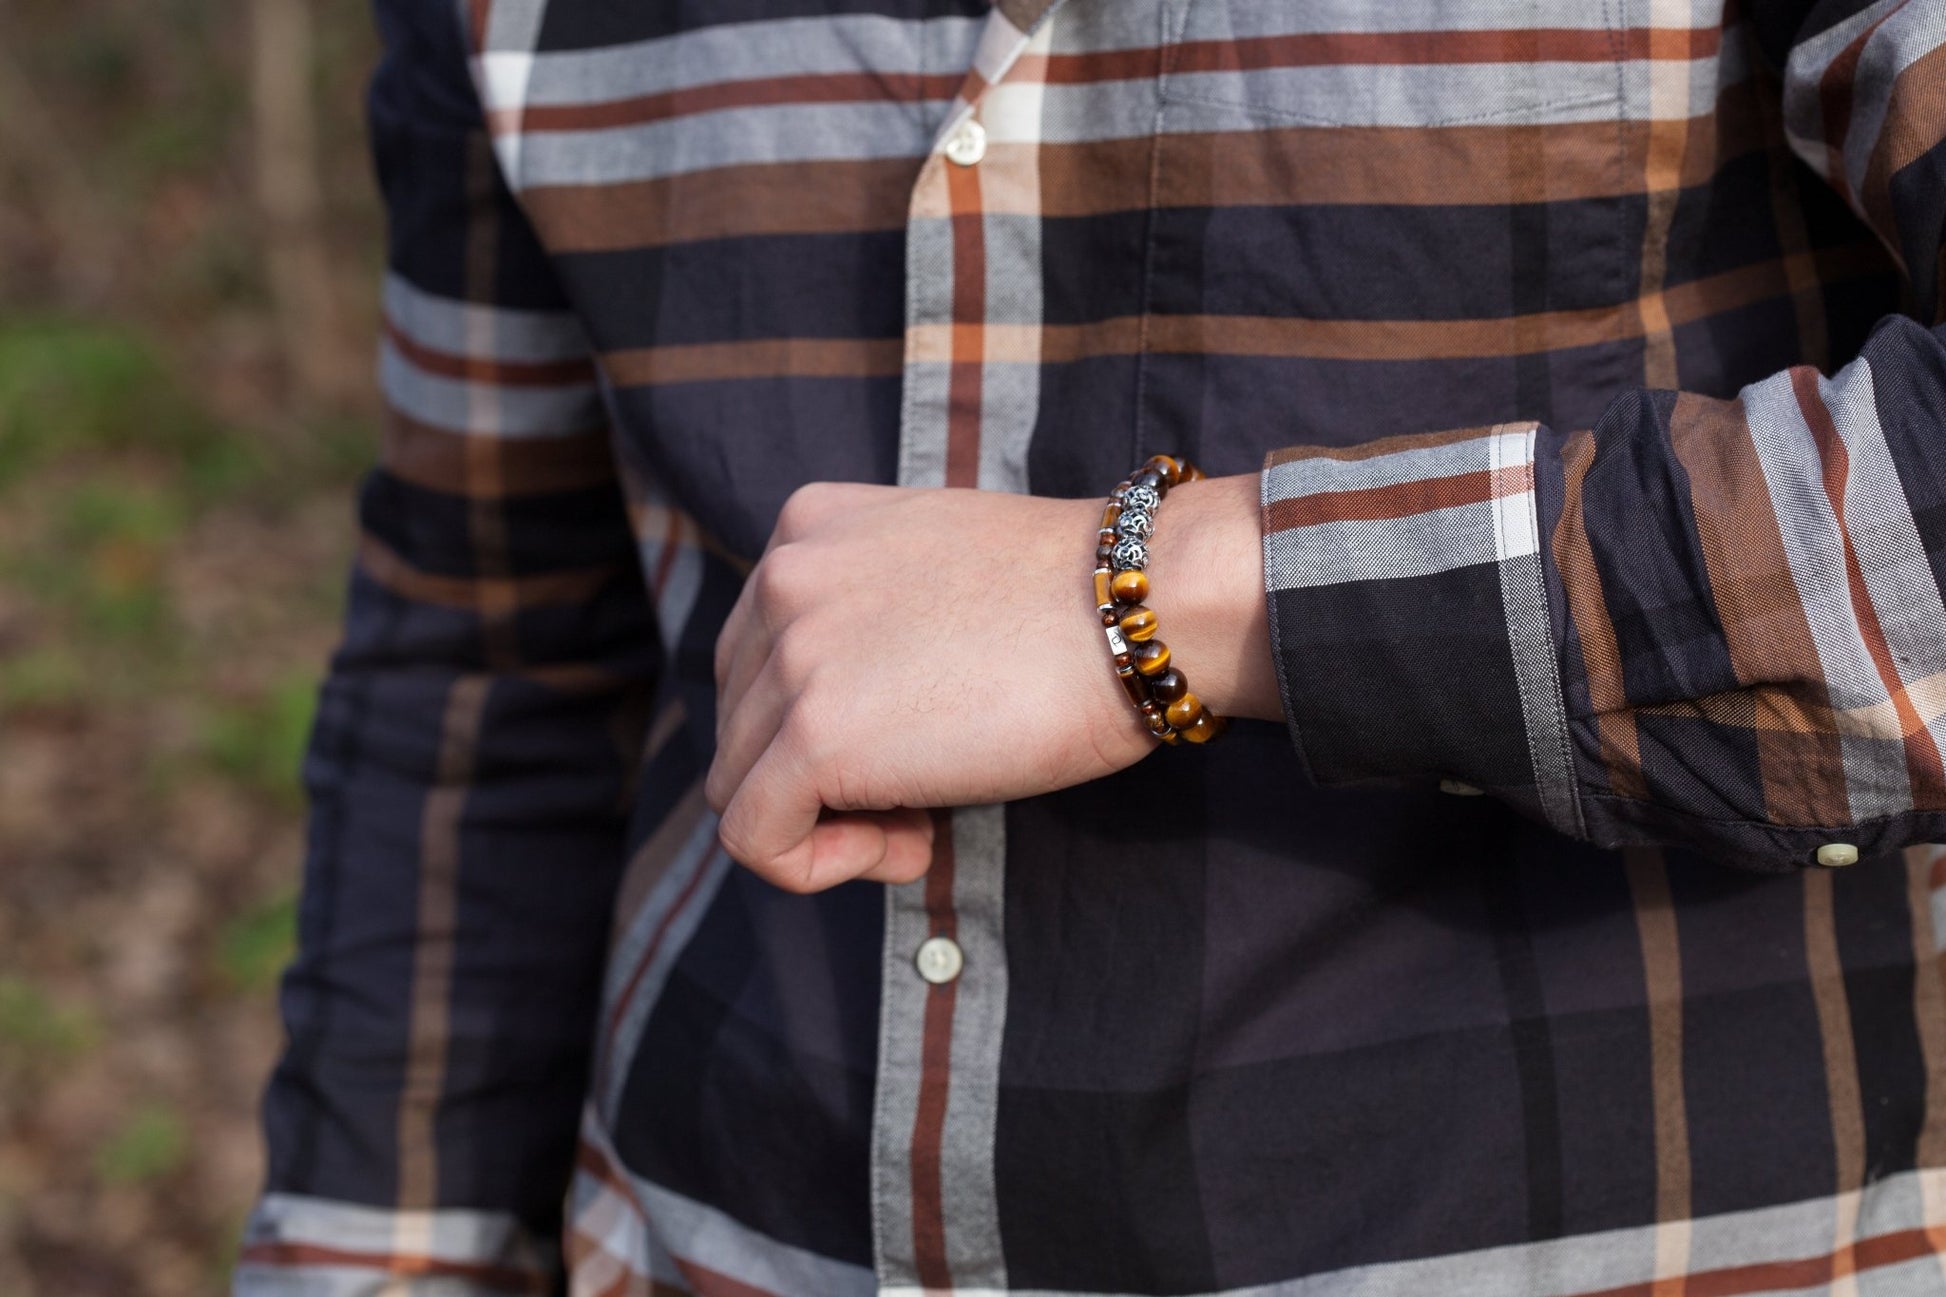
(1168, 467)
(1138, 623)
(1152, 658)
(1130, 587)
(1152, 717)
(1184, 710)
(1168, 686)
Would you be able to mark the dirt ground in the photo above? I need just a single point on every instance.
(175, 518)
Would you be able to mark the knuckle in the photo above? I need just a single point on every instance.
(781, 580)
(802, 509)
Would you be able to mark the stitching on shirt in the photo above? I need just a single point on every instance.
(1555, 694)
(1256, 109)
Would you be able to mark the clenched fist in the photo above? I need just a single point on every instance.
(898, 649)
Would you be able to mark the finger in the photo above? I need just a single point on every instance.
(744, 731)
(908, 845)
(768, 822)
(747, 660)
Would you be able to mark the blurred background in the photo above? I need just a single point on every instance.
(189, 247)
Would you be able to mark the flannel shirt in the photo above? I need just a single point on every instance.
(1584, 351)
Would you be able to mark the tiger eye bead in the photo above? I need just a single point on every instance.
(1103, 587)
(1110, 514)
(1152, 717)
(1152, 658)
(1184, 710)
(1168, 686)
(1150, 478)
(1130, 587)
(1132, 685)
(1202, 729)
(1190, 473)
(1138, 623)
(1167, 466)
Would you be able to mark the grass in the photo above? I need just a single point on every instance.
(149, 1143)
(254, 946)
(35, 1031)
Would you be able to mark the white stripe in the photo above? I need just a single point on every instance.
(484, 408)
(457, 328)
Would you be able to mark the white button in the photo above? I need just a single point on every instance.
(967, 145)
(1458, 789)
(1835, 855)
(940, 960)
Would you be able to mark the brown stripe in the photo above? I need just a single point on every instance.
(496, 1277)
(1928, 1008)
(709, 362)
(1762, 614)
(807, 197)
(1601, 657)
(436, 458)
(719, 96)
(547, 589)
(435, 938)
(1835, 89)
(935, 1074)
(1912, 126)
(1397, 500)
(1826, 967)
(1924, 766)
(1655, 925)
(1408, 166)
(486, 369)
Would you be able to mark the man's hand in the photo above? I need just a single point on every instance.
(898, 649)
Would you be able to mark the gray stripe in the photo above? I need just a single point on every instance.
(735, 137)
(458, 328)
(1321, 474)
(1420, 545)
(1904, 39)
(448, 1234)
(485, 409)
(971, 1203)
(1803, 100)
(1227, 19)
(928, 300)
(1793, 475)
(901, 1035)
(751, 51)
(1411, 95)
(1570, 1267)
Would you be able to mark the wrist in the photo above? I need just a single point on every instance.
(1206, 562)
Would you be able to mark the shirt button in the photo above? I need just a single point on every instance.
(968, 144)
(940, 960)
(1458, 789)
(1836, 855)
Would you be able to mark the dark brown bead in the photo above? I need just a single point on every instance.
(1103, 553)
(1190, 473)
(1168, 686)
(1152, 717)
(1150, 478)
(1137, 692)
(1167, 465)
(1130, 586)
(1185, 710)
(1138, 623)
(1202, 729)
(1152, 658)
(1108, 613)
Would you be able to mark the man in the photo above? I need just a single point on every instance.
(1287, 1012)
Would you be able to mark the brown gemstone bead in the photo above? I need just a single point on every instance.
(1190, 473)
(1103, 553)
(1185, 710)
(1138, 623)
(1110, 514)
(1172, 738)
(1130, 586)
(1168, 686)
(1132, 683)
(1103, 587)
(1202, 729)
(1152, 479)
(1152, 658)
(1167, 465)
(1152, 717)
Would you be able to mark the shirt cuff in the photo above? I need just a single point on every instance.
(1409, 615)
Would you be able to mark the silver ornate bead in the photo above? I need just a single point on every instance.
(1129, 553)
(1141, 498)
(1139, 523)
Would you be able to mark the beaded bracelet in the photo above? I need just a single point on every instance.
(1158, 690)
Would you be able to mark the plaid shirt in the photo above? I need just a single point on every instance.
(1278, 1016)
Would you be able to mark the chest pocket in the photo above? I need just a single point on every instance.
(1414, 63)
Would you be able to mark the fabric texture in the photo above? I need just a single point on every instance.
(1587, 354)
